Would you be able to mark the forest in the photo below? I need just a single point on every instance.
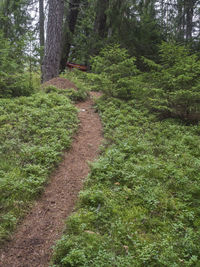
(140, 202)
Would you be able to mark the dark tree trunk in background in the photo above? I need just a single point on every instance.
(6, 13)
(100, 26)
(189, 18)
(50, 68)
(180, 20)
(41, 28)
(69, 28)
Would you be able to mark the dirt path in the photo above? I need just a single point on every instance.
(31, 244)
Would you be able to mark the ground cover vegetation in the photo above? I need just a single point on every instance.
(143, 209)
(77, 78)
(34, 131)
(80, 90)
(140, 203)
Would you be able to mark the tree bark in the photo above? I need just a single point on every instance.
(50, 68)
(100, 26)
(41, 29)
(6, 12)
(69, 28)
(189, 19)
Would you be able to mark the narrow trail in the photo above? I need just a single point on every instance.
(32, 243)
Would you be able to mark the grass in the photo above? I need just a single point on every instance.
(140, 205)
(34, 131)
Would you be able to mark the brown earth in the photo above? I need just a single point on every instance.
(32, 243)
(61, 83)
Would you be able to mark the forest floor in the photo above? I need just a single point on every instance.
(32, 243)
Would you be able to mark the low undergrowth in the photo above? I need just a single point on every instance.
(140, 205)
(34, 131)
(78, 78)
(71, 93)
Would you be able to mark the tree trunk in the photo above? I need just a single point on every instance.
(41, 29)
(50, 68)
(189, 19)
(180, 20)
(69, 28)
(100, 26)
(5, 24)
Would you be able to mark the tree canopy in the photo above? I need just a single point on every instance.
(84, 27)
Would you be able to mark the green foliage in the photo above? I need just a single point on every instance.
(140, 203)
(107, 57)
(72, 94)
(15, 19)
(33, 133)
(84, 41)
(177, 80)
(132, 24)
(170, 88)
(77, 77)
(180, 70)
(14, 79)
(135, 26)
(116, 70)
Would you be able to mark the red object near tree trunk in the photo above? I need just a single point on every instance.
(76, 66)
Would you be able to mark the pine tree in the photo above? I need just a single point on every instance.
(41, 28)
(15, 19)
(68, 31)
(50, 68)
(189, 18)
(100, 26)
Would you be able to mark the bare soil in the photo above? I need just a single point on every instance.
(61, 83)
(32, 243)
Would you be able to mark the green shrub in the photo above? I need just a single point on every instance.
(33, 133)
(170, 88)
(14, 80)
(116, 70)
(140, 203)
(74, 95)
(178, 83)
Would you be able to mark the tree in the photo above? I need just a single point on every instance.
(50, 67)
(84, 37)
(137, 25)
(100, 25)
(178, 19)
(15, 19)
(68, 31)
(189, 18)
(41, 28)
